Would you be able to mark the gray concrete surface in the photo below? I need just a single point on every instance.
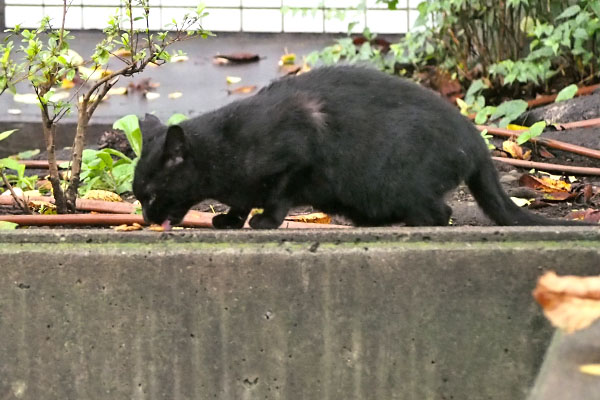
(438, 313)
(202, 83)
(560, 377)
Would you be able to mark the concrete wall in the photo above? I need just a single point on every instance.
(361, 314)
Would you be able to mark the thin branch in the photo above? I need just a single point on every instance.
(20, 202)
(549, 167)
(556, 144)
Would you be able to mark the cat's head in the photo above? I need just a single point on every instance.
(165, 175)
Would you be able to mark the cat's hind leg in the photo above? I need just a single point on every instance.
(428, 213)
(233, 219)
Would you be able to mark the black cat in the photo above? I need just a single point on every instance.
(346, 140)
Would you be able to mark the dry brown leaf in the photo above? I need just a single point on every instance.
(545, 184)
(315, 218)
(96, 194)
(589, 215)
(42, 207)
(242, 90)
(128, 228)
(239, 58)
(571, 303)
(122, 53)
(515, 150)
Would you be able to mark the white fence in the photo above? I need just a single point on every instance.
(229, 15)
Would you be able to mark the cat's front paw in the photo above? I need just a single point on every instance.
(264, 221)
(228, 221)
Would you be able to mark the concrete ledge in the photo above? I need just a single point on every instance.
(361, 314)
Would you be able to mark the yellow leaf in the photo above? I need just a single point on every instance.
(152, 95)
(175, 95)
(156, 228)
(105, 195)
(233, 79)
(119, 91)
(67, 84)
(515, 150)
(514, 127)
(179, 58)
(520, 201)
(591, 369)
(122, 53)
(287, 59)
(571, 303)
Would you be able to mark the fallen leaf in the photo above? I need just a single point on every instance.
(5, 225)
(27, 98)
(590, 369)
(175, 95)
(291, 69)
(514, 127)
(119, 91)
(287, 59)
(242, 90)
(93, 74)
(122, 53)
(128, 228)
(96, 194)
(520, 202)
(179, 58)
(152, 95)
(73, 57)
(571, 303)
(233, 79)
(156, 228)
(589, 215)
(67, 84)
(239, 58)
(545, 153)
(315, 218)
(42, 207)
(14, 111)
(546, 184)
(515, 150)
(559, 196)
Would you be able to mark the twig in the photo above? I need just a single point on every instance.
(579, 124)
(549, 98)
(555, 144)
(20, 202)
(549, 167)
(193, 219)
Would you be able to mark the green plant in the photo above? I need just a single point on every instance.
(45, 61)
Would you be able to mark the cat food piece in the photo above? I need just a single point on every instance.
(128, 228)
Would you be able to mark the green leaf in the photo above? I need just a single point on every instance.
(176, 118)
(6, 134)
(569, 12)
(130, 124)
(509, 110)
(26, 155)
(566, 93)
(595, 5)
(5, 225)
(534, 131)
(10, 164)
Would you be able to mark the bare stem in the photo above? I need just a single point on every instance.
(20, 202)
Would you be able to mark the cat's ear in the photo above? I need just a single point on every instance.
(150, 126)
(175, 146)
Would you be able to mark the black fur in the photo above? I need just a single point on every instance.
(346, 140)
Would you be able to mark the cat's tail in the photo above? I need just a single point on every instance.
(497, 205)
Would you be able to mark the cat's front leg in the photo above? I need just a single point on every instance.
(271, 218)
(234, 219)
